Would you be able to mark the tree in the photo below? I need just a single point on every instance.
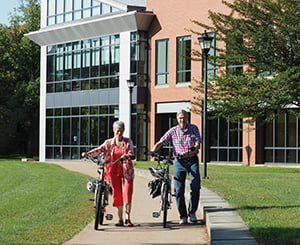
(264, 37)
(19, 81)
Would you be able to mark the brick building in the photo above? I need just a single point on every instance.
(91, 48)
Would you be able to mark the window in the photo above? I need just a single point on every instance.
(282, 140)
(138, 58)
(234, 60)
(225, 140)
(71, 66)
(264, 59)
(68, 62)
(162, 62)
(60, 11)
(72, 130)
(184, 59)
(212, 67)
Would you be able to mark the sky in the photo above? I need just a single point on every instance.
(6, 7)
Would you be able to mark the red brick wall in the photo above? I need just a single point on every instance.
(174, 18)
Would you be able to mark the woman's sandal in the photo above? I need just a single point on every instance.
(120, 223)
(128, 223)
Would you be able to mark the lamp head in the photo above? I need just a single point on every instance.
(205, 42)
(130, 83)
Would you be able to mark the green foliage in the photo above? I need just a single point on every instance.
(41, 203)
(263, 36)
(19, 76)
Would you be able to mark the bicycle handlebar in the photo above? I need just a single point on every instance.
(121, 159)
(158, 157)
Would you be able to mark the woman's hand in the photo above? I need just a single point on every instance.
(126, 156)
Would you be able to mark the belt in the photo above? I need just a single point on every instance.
(186, 159)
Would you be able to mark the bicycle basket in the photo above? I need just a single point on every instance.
(154, 187)
(157, 173)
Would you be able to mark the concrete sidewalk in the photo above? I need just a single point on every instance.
(223, 225)
(147, 230)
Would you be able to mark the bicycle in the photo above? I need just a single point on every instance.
(163, 179)
(101, 189)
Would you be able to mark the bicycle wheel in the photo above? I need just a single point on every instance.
(165, 203)
(102, 206)
(99, 211)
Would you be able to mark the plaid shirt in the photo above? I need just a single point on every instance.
(182, 139)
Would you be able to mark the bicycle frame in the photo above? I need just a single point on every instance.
(163, 174)
(101, 190)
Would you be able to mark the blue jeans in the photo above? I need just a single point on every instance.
(181, 168)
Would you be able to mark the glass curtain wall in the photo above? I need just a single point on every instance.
(72, 130)
(89, 65)
(139, 73)
(83, 65)
(60, 11)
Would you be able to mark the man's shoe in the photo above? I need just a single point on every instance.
(193, 218)
(183, 221)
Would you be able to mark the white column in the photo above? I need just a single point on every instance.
(124, 76)
(43, 13)
(43, 77)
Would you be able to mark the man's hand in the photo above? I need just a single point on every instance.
(151, 153)
(191, 152)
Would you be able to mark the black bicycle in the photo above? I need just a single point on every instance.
(101, 189)
(161, 185)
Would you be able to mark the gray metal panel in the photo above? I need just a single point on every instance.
(93, 27)
(83, 98)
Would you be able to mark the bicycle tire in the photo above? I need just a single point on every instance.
(102, 205)
(99, 211)
(165, 203)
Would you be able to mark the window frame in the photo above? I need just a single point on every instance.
(165, 71)
(183, 59)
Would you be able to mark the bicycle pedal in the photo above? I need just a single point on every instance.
(155, 214)
(109, 216)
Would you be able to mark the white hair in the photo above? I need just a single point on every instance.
(184, 112)
(118, 124)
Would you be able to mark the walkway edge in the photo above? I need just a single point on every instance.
(223, 223)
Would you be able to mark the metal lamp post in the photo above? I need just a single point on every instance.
(205, 43)
(130, 84)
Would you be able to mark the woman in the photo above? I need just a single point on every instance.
(120, 175)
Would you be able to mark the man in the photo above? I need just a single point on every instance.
(186, 141)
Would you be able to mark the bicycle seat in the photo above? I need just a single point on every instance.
(157, 173)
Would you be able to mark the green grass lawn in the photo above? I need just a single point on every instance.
(267, 198)
(46, 204)
(41, 203)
